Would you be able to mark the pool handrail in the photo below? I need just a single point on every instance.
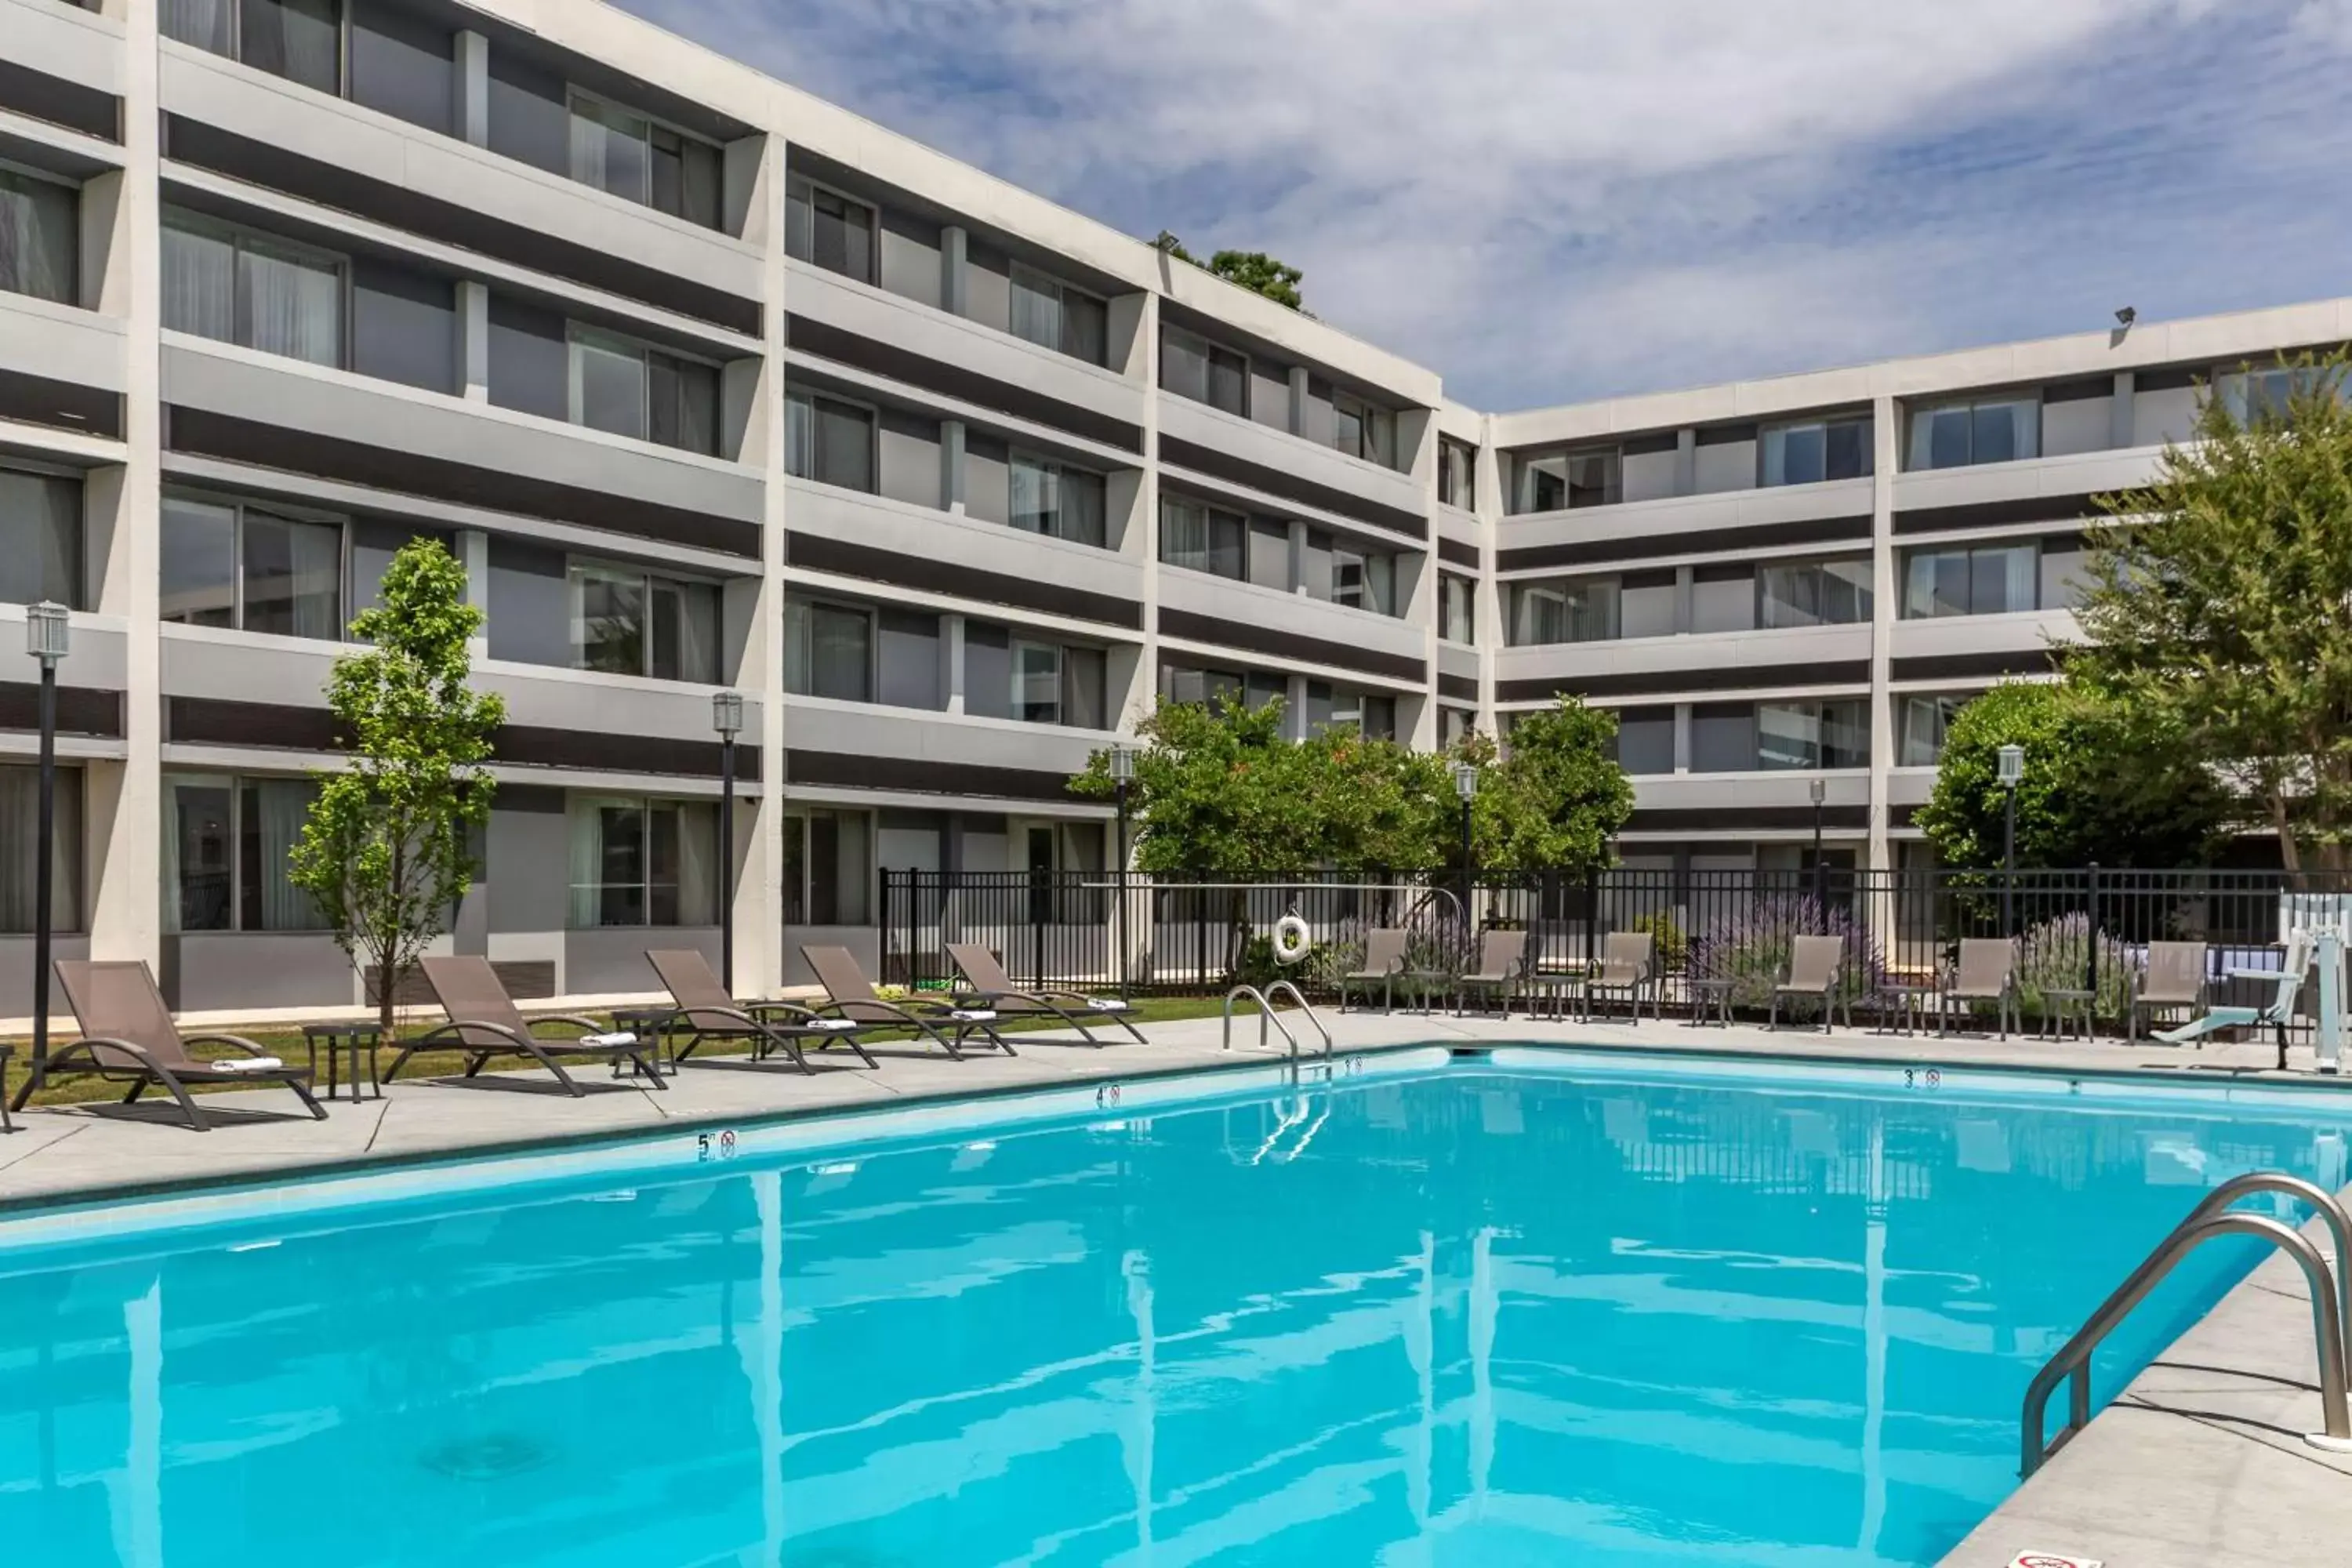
(1266, 1014)
(2331, 1291)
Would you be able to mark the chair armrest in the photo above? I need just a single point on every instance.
(239, 1041)
(454, 1030)
(585, 1025)
(792, 1011)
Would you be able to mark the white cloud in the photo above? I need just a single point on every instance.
(1555, 199)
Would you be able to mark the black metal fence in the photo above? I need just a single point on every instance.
(2083, 932)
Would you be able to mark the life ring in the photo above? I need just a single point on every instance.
(1292, 939)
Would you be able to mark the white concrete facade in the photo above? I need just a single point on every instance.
(950, 482)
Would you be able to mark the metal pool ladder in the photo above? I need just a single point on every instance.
(2331, 1308)
(1266, 1014)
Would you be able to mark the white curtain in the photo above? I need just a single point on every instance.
(609, 151)
(291, 307)
(317, 581)
(1032, 496)
(36, 238)
(204, 22)
(1082, 508)
(275, 809)
(1036, 309)
(588, 861)
(2019, 571)
(299, 39)
(199, 284)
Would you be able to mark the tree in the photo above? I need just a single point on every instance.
(1252, 269)
(1556, 797)
(2097, 789)
(2218, 609)
(386, 850)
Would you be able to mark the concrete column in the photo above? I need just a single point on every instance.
(1682, 737)
(474, 339)
(1884, 605)
(2119, 418)
(955, 291)
(1686, 597)
(473, 552)
(951, 657)
(1686, 462)
(125, 808)
(473, 67)
(1493, 613)
(951, 474)
(1297, 556)
(1298, 394)
(1143, 689)
(760, 935)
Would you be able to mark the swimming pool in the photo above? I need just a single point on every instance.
(1539, 1307)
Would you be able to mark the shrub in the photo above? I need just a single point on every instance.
(1750, 948)
(2055, 955)
(1666, 935)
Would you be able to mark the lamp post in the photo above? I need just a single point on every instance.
(47, 637)
(727, 718)
(1821, 790)
(2012, 773)
(1122, 775)
(1465, 784)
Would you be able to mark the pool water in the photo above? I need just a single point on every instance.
(1466, 1316)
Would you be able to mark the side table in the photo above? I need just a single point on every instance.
(646, 1023)
(1907, 1003)
(345, 1038)
(2062, 1007)
(1709, 995)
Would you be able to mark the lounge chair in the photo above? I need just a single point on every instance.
(128, 1037)
(986, 981)
(484, 1023)
(1987, 972)
(2175, 979)
(850, 995)
(705, 1012)
(2277, 1013)
(1502, 969)
(1813, 965)
(1384, 955)
(1629, 963)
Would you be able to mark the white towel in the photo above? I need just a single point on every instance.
(837, 1024)
(1107, 1005)
(617, 1037)
(248, 1064)
(974, 1015)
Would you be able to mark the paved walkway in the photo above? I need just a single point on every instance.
(2198, 1464)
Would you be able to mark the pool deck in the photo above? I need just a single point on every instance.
(2200, 1463)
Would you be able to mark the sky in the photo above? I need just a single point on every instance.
(1550, 201)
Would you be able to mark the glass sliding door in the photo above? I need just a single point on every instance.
(40, 237)
(40, 538)
(292, 576)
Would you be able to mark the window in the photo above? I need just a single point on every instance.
(1722, 738)
(238, 288)
(1363, 431)
(1457, 608)
(1194, 367)
(1458, 473)
(1927, 718)
(1372, 713)
(1452, 724)
(1179, 683)
(625, 155)
(1363, 579)
(829, 441)
(1049, 498)
(1646, 740)
(1958, 580)
(828, 229)
(300, 40)
(1813, 735)
(1812, 594)
(226, 844)
(638, 862)
(226, 564)
(1561, 611)
(828, 651)
(1554, 481)
(1203, 538)
(40, 538)
(1813, 450)
(40, 242)
(2255, 397)
(627, 389)
(828, 869)
(1050, 313)
(626, 622)
(20, 827)
(1958, 435)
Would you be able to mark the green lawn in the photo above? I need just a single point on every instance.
(287, 1044)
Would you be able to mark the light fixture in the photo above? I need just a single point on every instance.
(1465, 780)
(2127, 316)
(1821, 790)
(727, 713)
(1122, 763)
(48, 634)
(2012, 767)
